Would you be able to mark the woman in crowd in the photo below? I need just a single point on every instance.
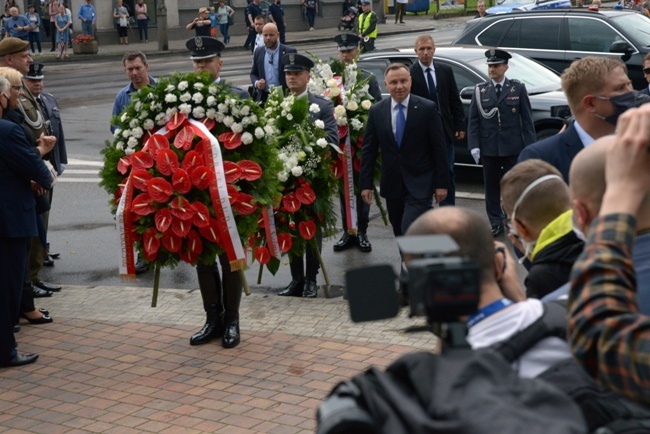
(121, 14)
(143, 20)
(35, 32)
(62, 32)
(223, 13)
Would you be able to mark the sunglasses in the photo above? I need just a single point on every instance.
(646, 71)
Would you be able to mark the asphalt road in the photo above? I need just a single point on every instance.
(81, 225)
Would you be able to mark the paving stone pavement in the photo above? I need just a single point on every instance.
(112, 364)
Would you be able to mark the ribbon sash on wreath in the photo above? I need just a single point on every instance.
(271, 234)
(124, 225)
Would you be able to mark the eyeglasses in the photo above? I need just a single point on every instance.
(646, 71)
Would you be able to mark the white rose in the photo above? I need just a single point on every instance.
(321, 142)
(185, 97)
(186, 109)
(134, 123)
(235, 111)
(332, 83)
(219, 117)
(269, 130)
(293, 161)
(211, 101)
(119, 146)
(182, 85)
(212, 90)
(289, 116)
(335, 92)
(170, 88)
(137, 132)
(319, 124)
(132, 142)
(171, 112)
(283, 176)
(314, 108)
(259, 133)
(296, 171)
(366, 104)
(247, 138)
(198, 86)
(237, 127)
(117, 133)
(211, 113)
(197, 98)
(339, 111)
(245, 110)
(160, 119)
(170, 98)
(144, 114)
(198, 112)
(282, 156)
(223, 108)
(148, 124)
(129, 151)
(352, 106)
(228, 121)
(126, 134)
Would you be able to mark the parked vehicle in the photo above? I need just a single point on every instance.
(507, 6)
(469, 67)
(558, 37)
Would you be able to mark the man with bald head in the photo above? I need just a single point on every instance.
(268, 67)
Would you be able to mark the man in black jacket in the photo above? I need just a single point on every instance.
(436, 82)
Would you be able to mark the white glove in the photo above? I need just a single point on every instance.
(476, 154)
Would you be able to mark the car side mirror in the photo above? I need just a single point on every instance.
(622, 47)
(467, 92)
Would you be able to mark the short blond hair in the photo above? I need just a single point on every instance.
(424, 38)
(11, 74)
(587, 76)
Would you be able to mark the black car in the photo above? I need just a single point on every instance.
(558, 37)
(469, 67)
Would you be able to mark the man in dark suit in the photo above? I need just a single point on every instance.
(348, 48)
(268, 67)
(500, 126)
(408, 131)
(646, 73)
(20, 163)
(436, 82)
(592, 86)
(297, 67)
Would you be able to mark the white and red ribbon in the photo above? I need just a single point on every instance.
(124, 224)
(348, 188)
(271, 234)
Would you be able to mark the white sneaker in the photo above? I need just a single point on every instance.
(311, 28)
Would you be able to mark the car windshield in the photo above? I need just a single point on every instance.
(512, 2)
(537, 78)
(637, 27)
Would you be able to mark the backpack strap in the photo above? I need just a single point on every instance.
(552, 323)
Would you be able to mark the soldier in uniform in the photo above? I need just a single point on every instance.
(296, 68)
(500, 126)
(348, 49)
(221, 297)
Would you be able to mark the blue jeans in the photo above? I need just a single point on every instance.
(143, 29)
(451, 192)
(35, 37)
(311, 16)
(87, 28)
(223, 28)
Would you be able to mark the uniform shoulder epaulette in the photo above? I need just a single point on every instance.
(514, 80)
(485, 83)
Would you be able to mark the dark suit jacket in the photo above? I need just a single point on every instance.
(59, 154)
(19, 164)
(645, 90)
(419, 165)
(558, 150)
(257, 71)
(451, 107)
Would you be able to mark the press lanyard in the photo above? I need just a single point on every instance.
(488, 310)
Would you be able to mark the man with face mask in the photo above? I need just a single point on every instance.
(536, 200)
(598, 90)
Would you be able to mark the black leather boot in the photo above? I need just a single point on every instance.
(212, 329)
(311, 289)
(232, 289)
(294, 289)
(231, 336)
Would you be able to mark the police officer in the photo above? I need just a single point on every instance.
(221, 295)
(367, 27)
(500, 126)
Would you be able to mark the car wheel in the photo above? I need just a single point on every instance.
(546, 133)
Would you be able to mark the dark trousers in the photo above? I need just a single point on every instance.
(493, 170)
(13, 266)
(403, 211)
(367, 46)
(223, 28)
(250, 40)
(53, 31)
(363, 214)
(297, 264)
(282, 29)
(143, 29)
(226, 293)
(311, 16)
(35, 37)
(400, 12)
(450, 200)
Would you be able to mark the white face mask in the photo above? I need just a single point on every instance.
(529, 246)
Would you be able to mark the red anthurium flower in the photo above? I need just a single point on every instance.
(201, 215)
(245, 205)
(200, 177)
(181, 227)
(233, 194)
(123, 164)
(307, 229)
(230, 140)
(141, 160)
(337, 168)
(155, 143)
(181, 181)
(184, 137)
(150, 241)
(192, 159)
(199, 147)
(163, 219)
(356, 164)
(140, 178)
(291, 203)
(182, 209)
(285, 241)
(166, 161)
(143, 204)
(176, 121)
(305, 195)
(193, 242)
(159, 189)
(251, 171)
(262, 255)
(343, 131)
(209, 123)
(171, 241)
(232, 171)
(150, 256)
(135, 236)
(360, 141)
(188, 256)
(211, 232)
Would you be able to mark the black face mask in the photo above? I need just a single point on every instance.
(621, 104)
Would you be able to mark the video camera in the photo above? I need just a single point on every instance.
(440, 285)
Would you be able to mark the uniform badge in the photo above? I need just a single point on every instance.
(292, 58)
(514, 110)
(512, 89)
(344, 38)
(198, 41)
(483, 90)
(492, 52)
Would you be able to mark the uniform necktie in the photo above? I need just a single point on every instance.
(40, 102)
(433, 92)
(498, 91)
(400, 124)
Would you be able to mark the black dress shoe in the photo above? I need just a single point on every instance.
(345, 242)
(294, 289)
(45, 319)
(20, 360)
(364, 244)
(48, 261)
(231, 336)
(212, 329)
(47, 286)
(55, 255)
(311, 289)
(497, 230)
(16, 328)
(40, 293)
(141, 265)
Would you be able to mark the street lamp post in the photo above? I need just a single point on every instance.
(161, 19)
(381, 16)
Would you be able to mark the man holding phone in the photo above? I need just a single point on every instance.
(17, 26)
